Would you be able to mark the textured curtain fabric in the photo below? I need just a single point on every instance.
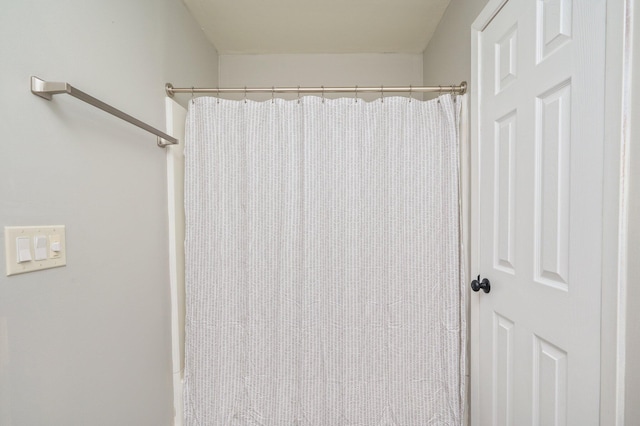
(323, 268)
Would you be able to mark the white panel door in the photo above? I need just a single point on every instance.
(540, 180)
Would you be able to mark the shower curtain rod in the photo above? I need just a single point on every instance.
(458, 89)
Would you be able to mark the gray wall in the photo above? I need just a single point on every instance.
(343, 69)
(90, 343)
(447, 58)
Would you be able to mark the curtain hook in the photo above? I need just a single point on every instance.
(356, 93)
(192, 98)
(273, 94)
(322, 94)
(245, 94)
(382, 93)
(453, 93)
(439, 92)
(298, 94)
(410, 93)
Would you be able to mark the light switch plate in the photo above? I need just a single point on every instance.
(54, 233)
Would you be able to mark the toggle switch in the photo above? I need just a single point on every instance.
(23, 253)
(56, 246)
(40, 245)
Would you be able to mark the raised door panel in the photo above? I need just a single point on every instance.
(554, 26)
(503, 371)
(504, 197)
(506, 63)
(549, 384)
(552, 185)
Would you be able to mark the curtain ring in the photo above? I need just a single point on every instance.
(218, 95)
(322, 94)
(453, 93)
(382, 93)
(245, 94)
(410, 93)
(192, 98)
(298, 94)
(273, 94)
(356, 93)
(439, 92)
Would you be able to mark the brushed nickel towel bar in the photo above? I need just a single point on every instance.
(459, 89)
(46, 90)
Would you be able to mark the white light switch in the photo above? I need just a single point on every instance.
(56, 246)
(19, 252)
(40, 245)
(23, 253)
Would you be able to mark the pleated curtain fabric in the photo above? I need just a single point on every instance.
(323, 263)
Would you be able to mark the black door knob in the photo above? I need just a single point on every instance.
(477, 285)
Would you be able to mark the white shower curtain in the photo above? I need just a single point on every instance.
(323, 263)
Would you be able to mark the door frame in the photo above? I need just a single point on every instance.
(619, 26)
(175, 126)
